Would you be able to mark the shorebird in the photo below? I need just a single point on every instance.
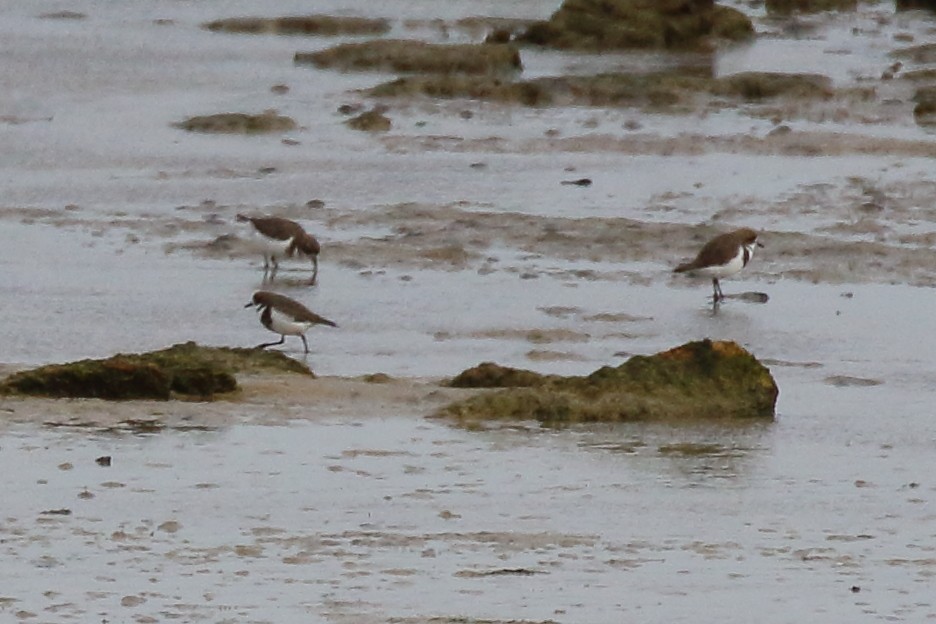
(723, 256)
(285, 316)
(276, 237)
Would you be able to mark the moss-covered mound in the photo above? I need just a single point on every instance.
(238, 123)
(699, 380)
(406, 56)
(301, 25)
(186, 370)
(598, 25)
(653, 90)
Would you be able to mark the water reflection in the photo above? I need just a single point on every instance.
(685, 455)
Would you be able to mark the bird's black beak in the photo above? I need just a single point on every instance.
(759, 244)
(249, 303)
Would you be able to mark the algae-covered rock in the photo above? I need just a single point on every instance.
(407, 56)
(186, 370)
(698, 380)
(114, 378)
(238, 123)
(597, 25)
(301, 25)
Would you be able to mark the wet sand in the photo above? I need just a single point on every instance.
(448, 241)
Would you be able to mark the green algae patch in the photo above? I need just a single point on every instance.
(237, 123)
(406, 56)
(657, 91)
(601, 25)
(183, 370)
(321, 25)
(702, 380)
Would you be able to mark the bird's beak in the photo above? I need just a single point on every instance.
(249, 303)
(759, 244)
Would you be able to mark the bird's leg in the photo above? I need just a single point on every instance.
(275, 267)
(266, 262)
(314, 270)
(271, 344)
(718, 295)
(304, 343)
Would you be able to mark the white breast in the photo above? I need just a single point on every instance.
(267, 246)
(733, 266)
(284, 325)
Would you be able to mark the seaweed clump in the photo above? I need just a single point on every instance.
(323, 25)
(598, 25)
(184, 370)
(370, 121)
(654, 91)
(698, 380)
(406, 56)
(786, 7)
(238, 123)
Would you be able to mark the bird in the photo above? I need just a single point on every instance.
(277, 237)
(723, 256)
(285, 316)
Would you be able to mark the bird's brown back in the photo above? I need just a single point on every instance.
(277, 228)
(719, 250)
(290, 307)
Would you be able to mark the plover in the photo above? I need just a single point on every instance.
(723, 256)
(276, 237)
(285, 316)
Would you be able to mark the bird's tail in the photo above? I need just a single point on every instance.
(240, 218)
(682, 268)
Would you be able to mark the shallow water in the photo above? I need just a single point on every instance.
(378, 519)
(823, 515)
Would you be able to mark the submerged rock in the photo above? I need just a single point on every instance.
(301, 25)
(186, 370)
(237, 123)
(597, 25)
(407, 56)
(698, 380)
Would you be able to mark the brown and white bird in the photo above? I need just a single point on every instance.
(276, 237)
(723, 256)
(285, 316)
